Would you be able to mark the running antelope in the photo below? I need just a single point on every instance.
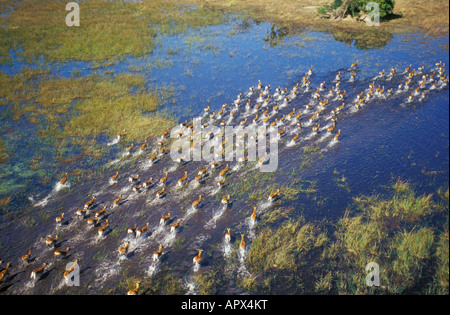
(164, 219)
(64, 179)
(228, 236)
(128, 149)
(70, 270)
(89, 204)
(117, 200)
(37, 272)
(175, 226)
(164, 179)
(132, 230)
(60, 252)
(100, 213)
(224, 171)
(198, 258)
(124, 249)
(195, 203)
(160, 193)
(157, 254)
(132, 179)
(242, 244)
(120, 135)
(139, 232)
(101, 230)
(336, 137)
(51, 241)
(226, 200)
(182, 180)
(134, 291)
(27, 257)
(253, 216)
(274, 195)
(147, 183)
(60, 219)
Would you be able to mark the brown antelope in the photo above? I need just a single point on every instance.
(226, 200)
(128, 149)
(114, 177)
(242, 244)
(132, 179)
(89, 204)
(51, 241)
(164, 179)
(102, 229)
(175, 226)
(228, 236)
(37, 271)
(60, 219)
(60, 252)
(203, 171)
(139, 232)
(198, 258)
(132, 230)
(124, 249)
(274, 195)
(253, 216)
(224, 171)
(92, 221)
(99, 213)
(195, 203)
(117, 200)
(137, 188)
(64, 179)
(153, 157)
(70, 270)
(160, 193)
(142, 147)
(182, 180)
(157, 254)
(147, 183)
(134, 291)
(164, 219)
(336, 137)
(27, 256)
(120, 135)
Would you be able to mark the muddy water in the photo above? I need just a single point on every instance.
(386, 138)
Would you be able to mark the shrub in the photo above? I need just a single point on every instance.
(355, 7)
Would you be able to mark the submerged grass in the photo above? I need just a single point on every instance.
(330, 257)
(55, 122)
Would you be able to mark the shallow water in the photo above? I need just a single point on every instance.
(386, 139)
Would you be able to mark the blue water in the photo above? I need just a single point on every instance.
(211, 66)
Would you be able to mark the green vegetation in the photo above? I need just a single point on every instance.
(341, 8)
(403, 233)
(62, 119)
(109, 30)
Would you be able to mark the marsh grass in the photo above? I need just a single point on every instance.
(63, 120)
(109, 30)
(402, 232)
